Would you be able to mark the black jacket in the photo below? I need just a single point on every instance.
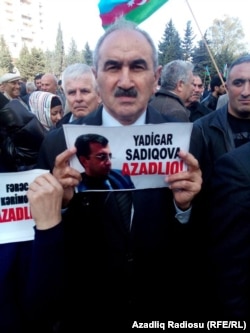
(197, 110)
(21, 136)
(210, 102)
(65, 120)
(212, 137)
(230, 234)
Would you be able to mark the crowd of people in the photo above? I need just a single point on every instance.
(185, 254)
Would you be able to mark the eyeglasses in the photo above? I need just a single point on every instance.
(104, 157)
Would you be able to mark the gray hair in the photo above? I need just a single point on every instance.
(75, 71)
(120, 25)
(30, 86)
(175, 71)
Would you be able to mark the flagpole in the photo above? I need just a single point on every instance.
(205, 42)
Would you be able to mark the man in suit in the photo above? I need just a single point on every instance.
(88, 255)
(94, 154)
(230, 234)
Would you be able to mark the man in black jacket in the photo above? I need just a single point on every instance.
(193, 104)
(217, 86)
(21, 135)
(230, 234)
(216, 134)
(119, 275)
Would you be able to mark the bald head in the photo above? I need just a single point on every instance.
(49, 83)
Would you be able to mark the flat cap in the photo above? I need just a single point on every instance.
(9, 77)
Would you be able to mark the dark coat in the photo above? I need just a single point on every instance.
(21, 136)
(65, 119)
(116, 276)
(197, 110)
(230, 234)
(14, 261)
(210, 101)
(116, 181)
(212, 137)
(170, 104)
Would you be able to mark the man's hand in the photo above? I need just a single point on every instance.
(187, 184)
(67, 176)
(45, 198)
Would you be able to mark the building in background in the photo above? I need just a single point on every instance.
(22, 23)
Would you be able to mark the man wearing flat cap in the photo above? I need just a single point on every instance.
(11, 83)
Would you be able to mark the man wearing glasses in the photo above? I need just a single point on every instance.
(94, 154)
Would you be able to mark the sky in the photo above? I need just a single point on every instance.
(80, 19)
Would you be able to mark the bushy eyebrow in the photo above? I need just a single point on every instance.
(239, 80)
(133, 63)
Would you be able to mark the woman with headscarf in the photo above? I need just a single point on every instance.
(47, 107)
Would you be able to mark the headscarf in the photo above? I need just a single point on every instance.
(40, 105)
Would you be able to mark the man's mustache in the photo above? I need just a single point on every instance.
(131, 92)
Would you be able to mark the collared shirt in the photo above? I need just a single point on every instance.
(108, 120)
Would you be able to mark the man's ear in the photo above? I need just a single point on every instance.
(82, 160)
(157, 77)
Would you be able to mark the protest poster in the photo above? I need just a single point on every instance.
(145, 153)
(16, 223)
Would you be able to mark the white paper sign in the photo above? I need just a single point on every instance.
(16, 223)
(146, 153)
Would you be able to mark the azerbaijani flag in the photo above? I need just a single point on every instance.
(133, 10)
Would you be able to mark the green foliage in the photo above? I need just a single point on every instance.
(187, 43)
(6, 63)
(30, 63)
(202, 60)
(170, 46)
(226, 37)
(59, 54)
(23, 63)
(88, 55)
(223, 40)
(73, 55)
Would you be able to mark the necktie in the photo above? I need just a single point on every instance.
(124, 200)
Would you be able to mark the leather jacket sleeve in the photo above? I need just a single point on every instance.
(22, 135)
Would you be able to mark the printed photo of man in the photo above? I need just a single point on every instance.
(94, 154)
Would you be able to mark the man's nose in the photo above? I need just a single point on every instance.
(125, 78)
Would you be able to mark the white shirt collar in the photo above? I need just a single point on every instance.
(108, 120)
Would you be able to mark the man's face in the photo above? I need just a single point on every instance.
(38, 84)
(187, 88)
(48, 84)
(125, 75)
(198, 90)
(238, 87)
(13, 88)
(220, 90)
(82, 97)
(99, 162)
